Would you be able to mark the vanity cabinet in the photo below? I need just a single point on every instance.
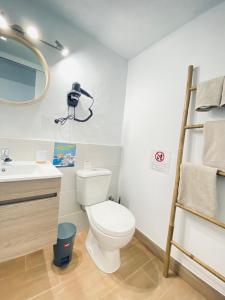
(28, 216)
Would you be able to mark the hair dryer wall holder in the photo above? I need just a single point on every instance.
(73, 98)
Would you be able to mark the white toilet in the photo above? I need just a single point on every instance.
(111, 225)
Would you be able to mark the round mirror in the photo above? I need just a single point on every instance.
(24, 71)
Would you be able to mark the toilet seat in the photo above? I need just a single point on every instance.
(111, 218)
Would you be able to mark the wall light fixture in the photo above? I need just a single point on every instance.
(32, 33)
(3, 22)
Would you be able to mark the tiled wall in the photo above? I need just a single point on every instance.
(99, 156)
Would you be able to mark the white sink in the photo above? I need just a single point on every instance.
(27, 170)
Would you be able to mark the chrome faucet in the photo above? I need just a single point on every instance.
(5, 155)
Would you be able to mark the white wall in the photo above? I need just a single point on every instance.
(153, 110)
(99, 70)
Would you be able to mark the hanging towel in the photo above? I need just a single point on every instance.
(209, 94)
(222, 104)
(214, 144)
(197, 188)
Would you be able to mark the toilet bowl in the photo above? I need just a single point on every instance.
(111, 225)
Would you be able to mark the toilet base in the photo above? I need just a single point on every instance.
(107, 261)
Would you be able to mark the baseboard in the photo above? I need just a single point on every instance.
(206, 290)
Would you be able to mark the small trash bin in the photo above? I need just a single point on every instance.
(64, 248)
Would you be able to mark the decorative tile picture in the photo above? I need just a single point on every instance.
(64, 155)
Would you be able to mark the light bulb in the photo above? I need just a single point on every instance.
(65, 52)
(3, 23)
(32, 32)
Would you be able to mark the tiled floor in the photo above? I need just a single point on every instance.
(140, 277)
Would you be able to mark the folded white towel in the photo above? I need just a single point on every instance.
(197, 188)
(209, 94)
(214, 144)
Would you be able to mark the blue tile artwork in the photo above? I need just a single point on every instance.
(64, 155)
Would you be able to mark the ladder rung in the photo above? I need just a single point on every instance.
(221, 173)
(194, 126)
(201, 263)
(193, 88)
(207, 218)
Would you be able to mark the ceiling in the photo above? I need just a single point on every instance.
(128, 26)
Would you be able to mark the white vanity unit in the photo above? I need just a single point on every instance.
(29, 202)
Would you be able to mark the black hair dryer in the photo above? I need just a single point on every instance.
(73, 98)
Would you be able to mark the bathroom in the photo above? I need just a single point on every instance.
(133, 59)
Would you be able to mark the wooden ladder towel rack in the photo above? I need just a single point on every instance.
(175, 204)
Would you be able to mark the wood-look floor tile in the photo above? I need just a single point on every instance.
(144, 283)
(34, 277)
(80, 263)
(35, 259)
(27, 284)
(132, 257)
(88, 285)
(12, 267)
(180, 290)
(50, 294)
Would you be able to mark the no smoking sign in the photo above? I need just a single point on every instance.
(159, 156)
(160, 161)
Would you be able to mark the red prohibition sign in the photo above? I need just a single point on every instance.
(159, 156)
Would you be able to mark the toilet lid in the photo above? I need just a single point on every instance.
(112, 218)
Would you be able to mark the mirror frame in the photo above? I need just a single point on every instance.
(27, 42)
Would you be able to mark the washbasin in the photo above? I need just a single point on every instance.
(27, 170)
